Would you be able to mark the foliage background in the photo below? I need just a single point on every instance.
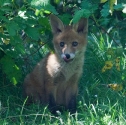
(25, 37)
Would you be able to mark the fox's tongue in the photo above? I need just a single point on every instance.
(67, 60)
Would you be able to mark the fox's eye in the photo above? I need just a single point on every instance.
(62, 44)
(74, 43)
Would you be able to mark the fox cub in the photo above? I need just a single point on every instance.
(54, 80)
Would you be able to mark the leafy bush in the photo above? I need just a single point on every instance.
(20, 29)
(25, 31)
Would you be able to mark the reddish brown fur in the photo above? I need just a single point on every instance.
(54, 81)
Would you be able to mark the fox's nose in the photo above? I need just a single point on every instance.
(67, 56)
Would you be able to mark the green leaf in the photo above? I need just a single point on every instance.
(2, 2)
(105, 10)
(20, 48)
(65, 18)
(104, 21)
(6, 9)
(45, 5)
(44, 22)
(50, 8)
(86, 4)
(39, 2)
(32, 21)
(17, 44)
(87, 8)
(81, 13)
(118, 7)
(12, 28)
(12, 71)
(5, 2)
(7, 64)
(21, 22)
(32, 32)
(2, 17)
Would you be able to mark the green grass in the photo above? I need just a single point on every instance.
(97, 104)
(108, 108)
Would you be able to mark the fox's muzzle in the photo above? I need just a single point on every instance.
(68, 57)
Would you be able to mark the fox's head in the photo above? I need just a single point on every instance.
(69, 41)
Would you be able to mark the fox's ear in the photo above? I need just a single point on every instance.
(56, 24)
(81, 26)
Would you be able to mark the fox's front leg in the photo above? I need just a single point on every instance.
(52, 104)
(72, 104)
(52, 100)
(71, 94)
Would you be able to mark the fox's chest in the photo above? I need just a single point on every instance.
(63, 70)
(64, 73)
(59, 70)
